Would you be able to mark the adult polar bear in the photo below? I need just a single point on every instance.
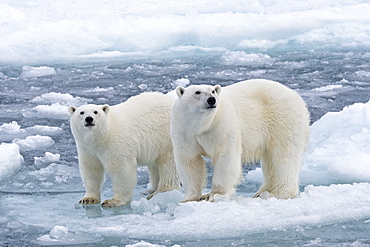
(250, 120)
(117, 139)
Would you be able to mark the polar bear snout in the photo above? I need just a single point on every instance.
(89, 121)
(211, 102)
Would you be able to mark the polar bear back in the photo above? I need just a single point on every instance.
(140, 126)
(267, 110)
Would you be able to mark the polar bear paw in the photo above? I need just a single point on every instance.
(89, 200)
(207, 197)
(113, 203)
(151, 196)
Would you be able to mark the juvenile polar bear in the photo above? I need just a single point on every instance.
(117, 139)
(250, 120)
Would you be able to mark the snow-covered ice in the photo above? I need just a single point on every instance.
(229, 219)
(35, 32)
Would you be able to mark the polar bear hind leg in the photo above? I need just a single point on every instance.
(163, 176)
(154, 180)
(281, 173)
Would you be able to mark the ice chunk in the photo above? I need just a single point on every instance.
(60, 235)
(163, 199)
(65, 99)
(58, 108)
(30, 72)
(363, 73)
(183, 210)
(11, 128)
(143, 86)
(242, 58)
(34, 142)
(47, 159)
(162, 202)
(327, 88)
(9, 131)
(99, 89)
(59, 232)
(54, 111)
(11, 160)
(55, 173)
(146, 244)
(183, 82)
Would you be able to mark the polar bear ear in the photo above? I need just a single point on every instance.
(180, 91)
(72, 109)
(105, 108)
(218, 89)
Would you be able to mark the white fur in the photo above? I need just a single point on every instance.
(124, 136)
(253, 120)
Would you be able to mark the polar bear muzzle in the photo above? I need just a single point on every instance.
(89, 121)
(211, 102)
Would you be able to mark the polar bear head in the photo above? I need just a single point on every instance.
(199, 98)
(88, 117)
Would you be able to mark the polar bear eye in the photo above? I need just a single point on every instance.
(197, 92)
(213, 91)
(95, 112)
(82, 113)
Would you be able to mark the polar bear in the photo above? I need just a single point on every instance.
(250, 120)
(117, 139)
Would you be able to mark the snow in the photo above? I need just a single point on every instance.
(340, 145)
(36, 32)
(316, 205)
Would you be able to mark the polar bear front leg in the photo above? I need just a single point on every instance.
(226, 175)
(124, 178)
(92, 173)
(192, 172)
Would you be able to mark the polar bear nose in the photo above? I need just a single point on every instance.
(211, 101)
(89, 120)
